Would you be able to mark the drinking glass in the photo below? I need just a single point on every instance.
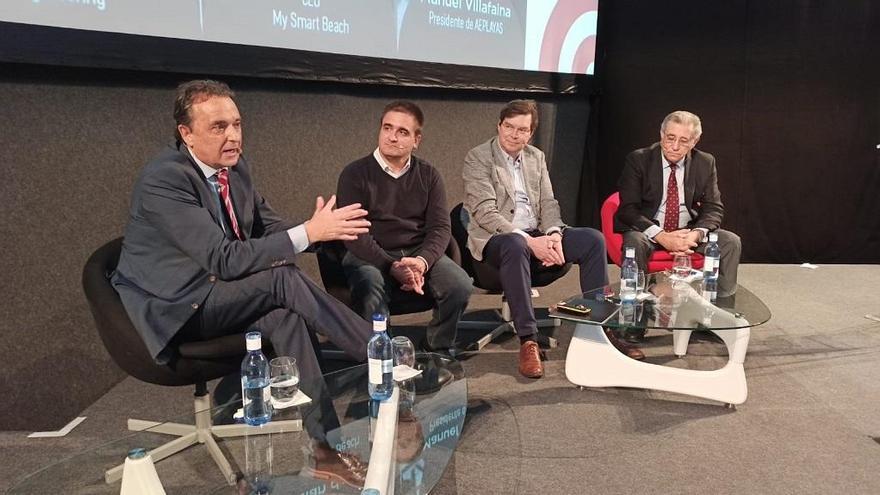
(681, 265)
(283, 379)
(640, 282)
(404, 354)
(403, 351)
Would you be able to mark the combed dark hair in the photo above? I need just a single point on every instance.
(407, 107)
(192, 92)
(520, 107)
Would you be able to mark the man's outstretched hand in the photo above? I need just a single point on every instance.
(336, 224)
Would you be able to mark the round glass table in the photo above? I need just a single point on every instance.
(669, 303)
(337, 442)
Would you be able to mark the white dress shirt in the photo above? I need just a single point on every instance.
(387, 168)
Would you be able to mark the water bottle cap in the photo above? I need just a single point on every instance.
(713, 237)
(253, 341)
(137, 453)
(630, 252)
(380, 323)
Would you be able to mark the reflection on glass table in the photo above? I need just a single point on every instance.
(669, 302)
(332, 453)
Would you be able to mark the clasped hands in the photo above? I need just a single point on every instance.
(680, 241)
(547, 248)
(410, 272)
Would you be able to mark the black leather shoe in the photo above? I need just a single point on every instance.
(452, 352)
(434, 373)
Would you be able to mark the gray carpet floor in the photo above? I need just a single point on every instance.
(811, 423)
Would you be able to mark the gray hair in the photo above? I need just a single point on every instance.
(683, 117)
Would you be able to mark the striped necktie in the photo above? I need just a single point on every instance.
(223, 187)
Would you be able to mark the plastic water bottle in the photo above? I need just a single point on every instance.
(256, 396)
(629, 275)
(710, 268)
(379, 360)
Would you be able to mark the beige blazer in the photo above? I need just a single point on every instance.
(489, 193)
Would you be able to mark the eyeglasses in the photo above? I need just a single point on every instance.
(682, 141)
(509, 129)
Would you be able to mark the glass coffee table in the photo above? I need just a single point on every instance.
(402, 445)
(667, 303)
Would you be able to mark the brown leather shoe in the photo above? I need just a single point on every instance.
(530, 360)
(339, 467)
(628, 350)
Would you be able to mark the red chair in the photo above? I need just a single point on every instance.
(660, 260)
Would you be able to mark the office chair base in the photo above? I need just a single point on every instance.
(498, 326)
(203, 432)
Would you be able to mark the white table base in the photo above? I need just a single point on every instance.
(593, 362)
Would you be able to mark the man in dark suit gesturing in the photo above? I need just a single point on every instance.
(205, 255)
(669, 199)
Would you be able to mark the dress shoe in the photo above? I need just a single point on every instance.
(530, 360)
(627, 350)
(634, 336)
(340, 467)
(447, 352)
(435, 373)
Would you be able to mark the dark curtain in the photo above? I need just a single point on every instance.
(789, 95)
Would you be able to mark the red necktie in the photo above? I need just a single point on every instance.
(670, 220)
(223, 183)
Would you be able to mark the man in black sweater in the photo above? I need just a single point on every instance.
(409, 232)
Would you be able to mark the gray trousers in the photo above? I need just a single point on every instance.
(728, 242)
(446, 282)
(285, 306)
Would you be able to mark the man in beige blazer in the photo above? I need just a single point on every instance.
(515, 222)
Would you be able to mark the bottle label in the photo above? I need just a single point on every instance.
(708, 264)
(387, 366)
(375, 367)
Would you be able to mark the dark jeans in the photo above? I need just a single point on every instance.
(728, 242)
(510, 254)
(446, 282)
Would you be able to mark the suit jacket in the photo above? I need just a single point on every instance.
(175, 248)
(641, 190)
(490, 194)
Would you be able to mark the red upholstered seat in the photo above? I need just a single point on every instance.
(660, 260)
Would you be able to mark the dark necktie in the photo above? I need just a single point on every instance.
(223, 186)
(670, 220)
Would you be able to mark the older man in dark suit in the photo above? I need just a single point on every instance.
(669, 199)
(205, 255)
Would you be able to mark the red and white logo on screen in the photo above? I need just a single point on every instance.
(568, 37)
